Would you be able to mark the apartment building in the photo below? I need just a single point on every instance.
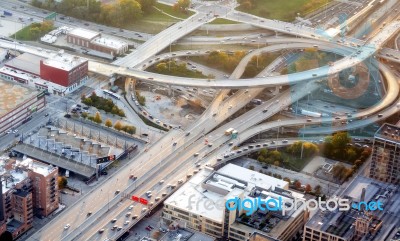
(385, 165)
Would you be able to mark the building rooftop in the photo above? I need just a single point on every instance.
(84, 33)
(36, 166)
(109, 42)
(26, 62)
(257, 178)
(389, 132)
(231, 181)
(64, 61)
(341, 223)
(12, 95)
(12, 177)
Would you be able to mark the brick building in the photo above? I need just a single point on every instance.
(93, 40)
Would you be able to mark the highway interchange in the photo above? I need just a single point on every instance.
(164, 161)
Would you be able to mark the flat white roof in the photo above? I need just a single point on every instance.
(256, 178)
(110, 42)
(14, 177)
(84, 33)
(36, 166)
(192, 190)
(64, 61)
(192, 197)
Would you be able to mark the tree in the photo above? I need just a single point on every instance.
(308, 188)
(340, 140)
(62, 182)
(108, 123)
(182, 5)
(84, 115)
(118, 126)
(147, 5)
(317, 190)
(97, 118)
(297, 184)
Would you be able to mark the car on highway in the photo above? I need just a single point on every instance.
(15, 131)
(128, 214)
(187, 133)
(101, 230)
(47, 114)
(119, 228)
(130, 207)
(147, 228)
(116, 192)
(195, 154)
(67, 226)
(114, 220)
(126, 222)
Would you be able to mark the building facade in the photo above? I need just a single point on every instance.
(59, 74)
(22, 112)
(28, 187)
(93, 40)
(385, 164)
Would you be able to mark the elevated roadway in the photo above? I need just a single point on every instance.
(162, 40)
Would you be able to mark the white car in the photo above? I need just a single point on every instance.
(67, 226)
(130, 207)
(15, 131)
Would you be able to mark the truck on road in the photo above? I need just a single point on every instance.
(229, 131)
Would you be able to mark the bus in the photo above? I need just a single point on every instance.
(115, 96)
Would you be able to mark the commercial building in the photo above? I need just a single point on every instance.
(17, 103)
(200, 205)
(354, 224)
(59, 74)
(23, 186)
(385, 165)
(93, 40)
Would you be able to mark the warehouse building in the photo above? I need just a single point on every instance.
(93, 40)
(59, 74)
(17, 103)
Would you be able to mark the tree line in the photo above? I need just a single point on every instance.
(102, 104)
(117, 13)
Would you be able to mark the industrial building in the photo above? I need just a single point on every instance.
(197, 205)
(17, 103)
(385, 165)
(59, 74)
(28, 188)
(354, 224)
(93, 40)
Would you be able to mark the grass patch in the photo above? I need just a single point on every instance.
(295, 162)
(175, 69)
(282, 10)
(33, 31)
(169, 10)
(223, 21)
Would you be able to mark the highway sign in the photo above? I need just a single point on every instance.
(105, 159)
(51, 16)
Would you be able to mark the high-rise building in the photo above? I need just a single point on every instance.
(385, 165)
(358, 222)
